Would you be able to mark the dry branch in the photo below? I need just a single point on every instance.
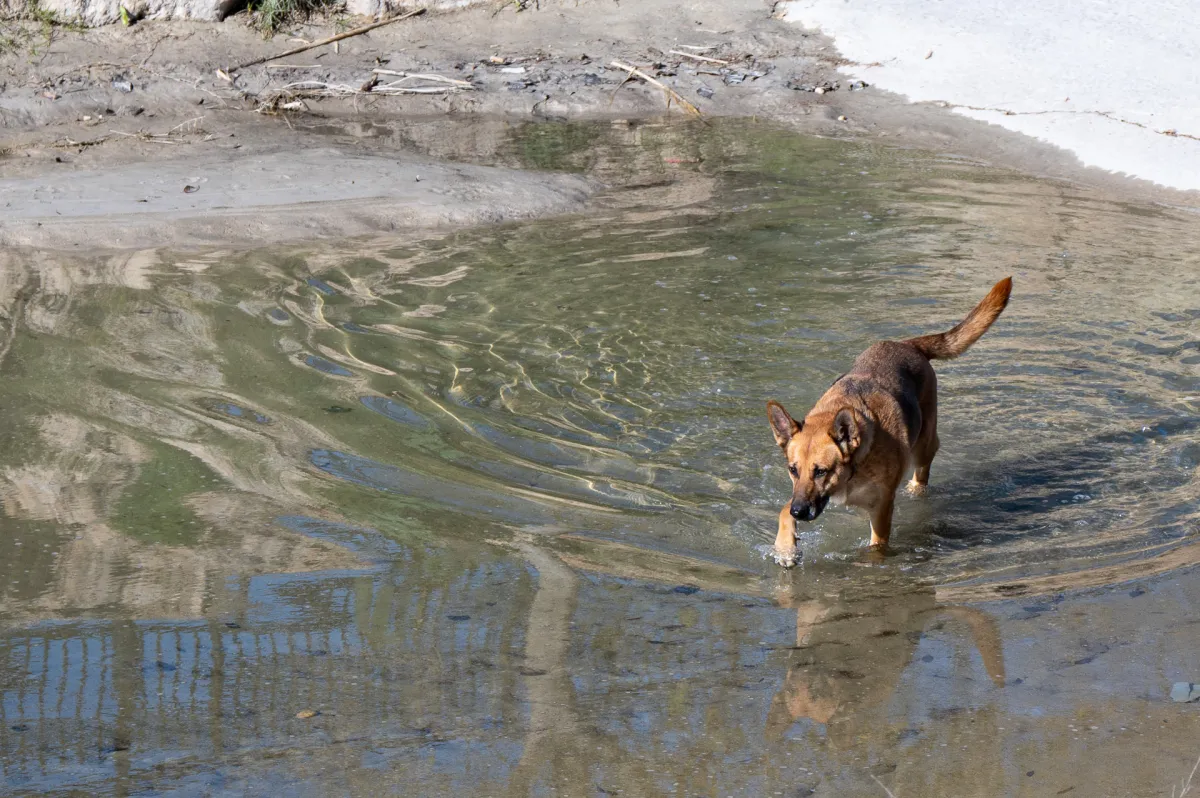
(323, 42)
(671, 93)
(466, 84)
(286, 96)
(699, 57)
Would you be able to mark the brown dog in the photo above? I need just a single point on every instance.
(874, 422)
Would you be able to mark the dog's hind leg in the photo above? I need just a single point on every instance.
(923, 451)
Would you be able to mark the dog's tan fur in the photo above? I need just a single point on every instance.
(872, 424)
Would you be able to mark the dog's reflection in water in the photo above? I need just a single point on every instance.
(853, 645)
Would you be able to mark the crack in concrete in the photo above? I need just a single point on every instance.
(1106, 114)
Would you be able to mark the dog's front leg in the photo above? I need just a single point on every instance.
(785, 541)
(881, 521)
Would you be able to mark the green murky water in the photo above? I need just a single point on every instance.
(491, 503)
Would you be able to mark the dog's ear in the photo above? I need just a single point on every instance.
(783, 425)
(850, 432)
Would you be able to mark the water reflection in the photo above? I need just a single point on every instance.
(852, 648)
(449, 670)
(488, 502)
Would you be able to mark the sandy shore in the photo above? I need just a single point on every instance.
(104, 130)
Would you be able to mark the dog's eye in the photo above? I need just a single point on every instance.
(819, 472)
(792, 468)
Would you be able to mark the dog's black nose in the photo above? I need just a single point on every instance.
(800, 511)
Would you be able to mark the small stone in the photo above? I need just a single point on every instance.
(1185, 692)
(705, 92)
(305, 714)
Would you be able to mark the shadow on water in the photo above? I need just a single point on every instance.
(480, 511)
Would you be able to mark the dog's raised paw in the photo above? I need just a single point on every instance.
(784, 559)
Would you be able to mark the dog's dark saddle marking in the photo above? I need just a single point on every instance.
(859, 387)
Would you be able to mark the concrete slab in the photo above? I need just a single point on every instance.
(1113, 82)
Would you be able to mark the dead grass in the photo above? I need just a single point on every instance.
(271, 16)
(31, 29)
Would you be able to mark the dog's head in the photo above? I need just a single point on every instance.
(820, 452)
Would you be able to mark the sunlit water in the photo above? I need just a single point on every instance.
(513, 485)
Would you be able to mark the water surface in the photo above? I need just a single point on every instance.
(490, 503)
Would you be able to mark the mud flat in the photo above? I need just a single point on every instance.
(95, 121)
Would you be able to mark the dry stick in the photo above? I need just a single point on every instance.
(671, 93)
(181, 124)
(699, 57)
(436, 78)
(881, 784)
(323, 42)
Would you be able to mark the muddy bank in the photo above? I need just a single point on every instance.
(244, 199)
(79, 105)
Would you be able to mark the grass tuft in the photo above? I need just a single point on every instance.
(271, 16)
(21, 25)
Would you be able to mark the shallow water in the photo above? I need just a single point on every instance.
(491, 503)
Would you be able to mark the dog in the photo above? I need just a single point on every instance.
(873, 424)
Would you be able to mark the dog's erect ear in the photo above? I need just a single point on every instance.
(783, 425)
(850, 432)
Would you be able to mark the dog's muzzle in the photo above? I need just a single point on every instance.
(808, 511)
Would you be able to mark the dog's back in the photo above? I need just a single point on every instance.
(899, 371)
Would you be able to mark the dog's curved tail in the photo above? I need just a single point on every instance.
(952, 343)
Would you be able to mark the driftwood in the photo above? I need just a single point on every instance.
(323, 42)
(671, 93)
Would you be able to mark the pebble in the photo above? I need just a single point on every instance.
(1185, 692)
(705, 92)
(816, 88)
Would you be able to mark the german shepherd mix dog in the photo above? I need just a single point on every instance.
(874, 422)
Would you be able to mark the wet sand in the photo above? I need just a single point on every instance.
(65, 122)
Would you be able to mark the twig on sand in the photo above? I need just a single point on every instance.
(699, 57)
(69, 143)
(287, 97)
(184, 124)
(881, 784)
(1186, 785)
(316, 88)
(465, 84)
(671, 93)
(323, 42)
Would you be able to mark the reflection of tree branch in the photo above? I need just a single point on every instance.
(15, 312)
(554, 729)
